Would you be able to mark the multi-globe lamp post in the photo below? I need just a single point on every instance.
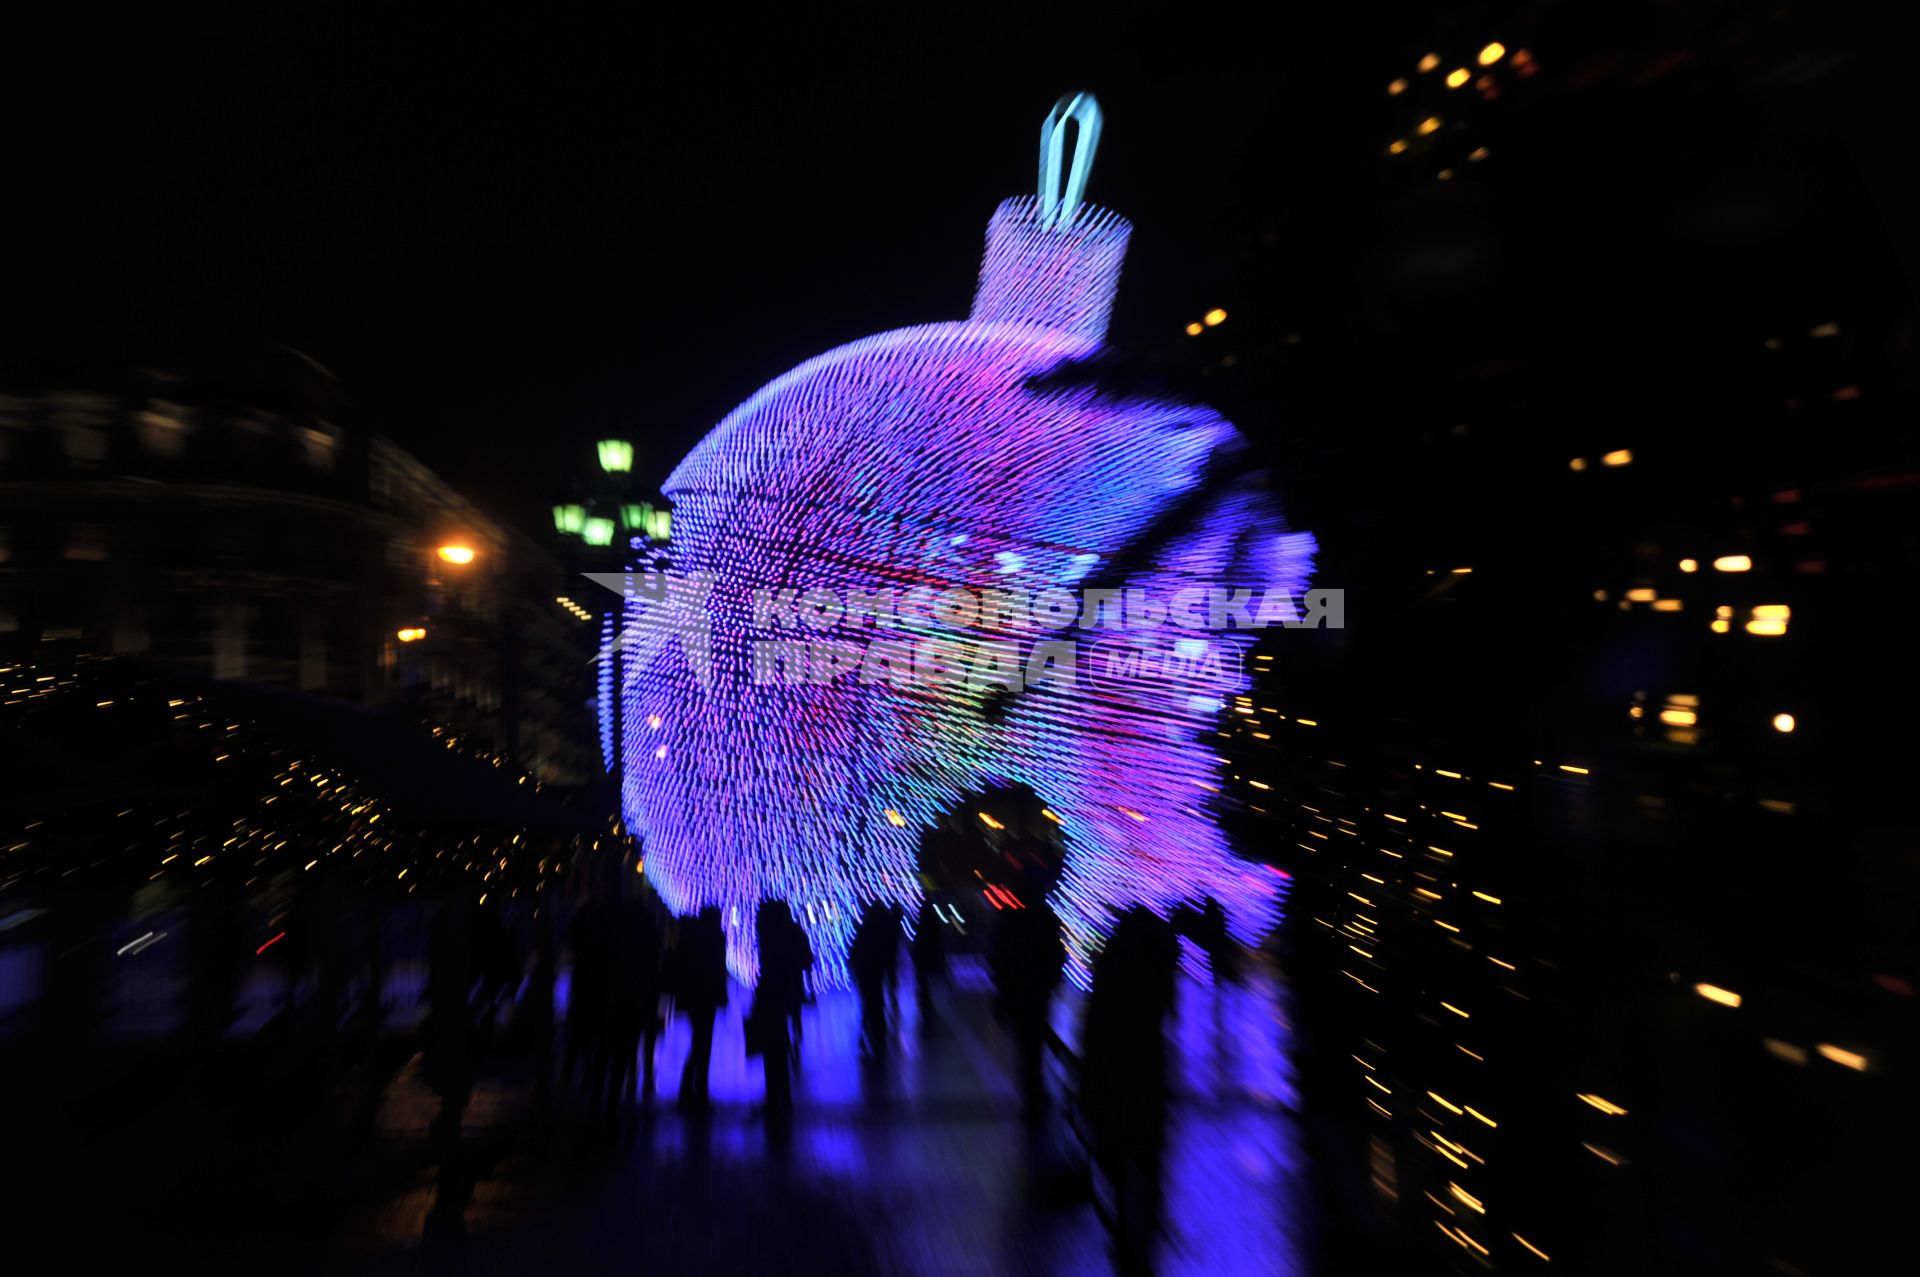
(605, 528)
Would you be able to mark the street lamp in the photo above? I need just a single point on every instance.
(457, 554)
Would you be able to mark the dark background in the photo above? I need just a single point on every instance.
(507, 236)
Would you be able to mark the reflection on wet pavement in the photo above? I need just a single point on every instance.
(915, 1164)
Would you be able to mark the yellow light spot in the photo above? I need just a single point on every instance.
(1457, 1011)
(1720, 627)
(456, 553)
(1714, 993)
(1492, 53)
(1443, 1102)
(1477, 154)
(1577, 771)
(1215, 317)
(1497, 785)
(1459, 1235)
(1492, 900)
(1641, 595)
(1396, 88)
(1429, 125)
(1606, 1155)
(412, 634)
(1846, 1059)
(1689, 565)
(1666, 605)
(1463, 1195)
(1195, 329)
(1396, 146)
(1772, 612)
(1733, 563)
(1535, 1249)
(895, 819)
(1783, 722)
(1785, 1051)
(1457, 77)
(1429, 62)
(1602, 1103)
(1767, 628)
(1307, 722)
(991, 823)
(1618, 457)
(1679, 717)
(1578, 463)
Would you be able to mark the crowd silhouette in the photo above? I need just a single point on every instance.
(630, 960)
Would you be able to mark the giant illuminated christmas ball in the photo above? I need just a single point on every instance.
(940, 457)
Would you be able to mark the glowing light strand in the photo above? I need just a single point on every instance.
(927, 457)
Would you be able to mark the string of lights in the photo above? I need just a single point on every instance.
(929, 458)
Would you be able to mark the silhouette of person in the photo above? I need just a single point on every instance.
(785, 956)
(797, 995)
(871, 958)
(929, 956)
(1223, 951)
(701, 981)
(896, 923)
(590, 937)
(1124, 1073)
(633, 1001)
(452, 971)
(1027, 954)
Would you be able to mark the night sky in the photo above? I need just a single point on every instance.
(505, 237)
(509, 236)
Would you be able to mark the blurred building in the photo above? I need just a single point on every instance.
(223, 521)
(1590, 364)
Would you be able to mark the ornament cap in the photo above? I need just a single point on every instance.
(1056, 277)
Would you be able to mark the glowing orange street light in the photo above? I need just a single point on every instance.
(412, 634)
(457, 553)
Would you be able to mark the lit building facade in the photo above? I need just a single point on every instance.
(230, 527)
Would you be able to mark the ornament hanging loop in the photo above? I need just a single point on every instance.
(1058, 205)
